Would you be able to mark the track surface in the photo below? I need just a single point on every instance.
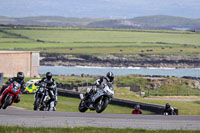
(68, 119)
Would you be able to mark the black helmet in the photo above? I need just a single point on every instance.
(110, 76)
(167, 105)
(137, 107)
(20, 76)
(48, 75)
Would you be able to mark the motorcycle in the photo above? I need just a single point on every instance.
(9, 95)
(97, 101)
(41, 98)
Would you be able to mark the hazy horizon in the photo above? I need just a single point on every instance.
(100, 8)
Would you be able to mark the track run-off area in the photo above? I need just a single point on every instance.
(28, 118)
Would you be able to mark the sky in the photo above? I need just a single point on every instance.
(100, 8)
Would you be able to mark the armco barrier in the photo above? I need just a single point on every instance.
(157, 109)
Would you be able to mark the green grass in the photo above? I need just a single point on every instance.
(107, 36)
(170, 86)
(185, 107)
(9, 129)
(73, 80)
(96, 41)
(174, 90)
(67, 104)
(131, 80)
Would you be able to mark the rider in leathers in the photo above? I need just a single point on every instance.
(19, 79)
(100, 83)
(168, 110)
(51, 85)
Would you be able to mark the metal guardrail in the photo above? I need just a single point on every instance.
(157, 109)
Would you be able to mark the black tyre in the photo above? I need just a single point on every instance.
(47, 108)
(36, 104)
(7, 101)
(102, 106)
(82, 108)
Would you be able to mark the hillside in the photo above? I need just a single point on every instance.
(161, 21)
(145, 22)
(48, 21)
(150, 22)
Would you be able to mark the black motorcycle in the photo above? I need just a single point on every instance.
(41, 98)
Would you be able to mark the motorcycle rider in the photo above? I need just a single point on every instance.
(137, 110)
(168, 110)
(99, 83)
(51, 85)
(20, 80)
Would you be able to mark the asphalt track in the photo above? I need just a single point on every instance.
(24, 118)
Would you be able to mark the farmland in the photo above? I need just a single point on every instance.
(99, 41)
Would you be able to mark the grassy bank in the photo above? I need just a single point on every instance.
(9, 129)
(185, 107)
(161, 86)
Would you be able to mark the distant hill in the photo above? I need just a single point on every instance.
(48, 21)
(145, 22)
(150, 22)
(162, 21)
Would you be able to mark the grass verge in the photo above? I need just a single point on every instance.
(9, 129)
(185, 107)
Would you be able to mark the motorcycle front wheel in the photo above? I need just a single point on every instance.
(7, 101)
(36, 104)
(82, 108)
(101, 107)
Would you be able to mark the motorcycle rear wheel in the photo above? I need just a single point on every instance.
(82, 108)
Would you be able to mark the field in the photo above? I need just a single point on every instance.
(97, 41)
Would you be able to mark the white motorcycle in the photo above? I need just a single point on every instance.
(97, 101)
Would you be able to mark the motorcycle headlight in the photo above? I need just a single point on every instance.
(110, 94)
(41, 89)
(14, 89)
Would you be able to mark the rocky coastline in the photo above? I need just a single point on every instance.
(137, 60)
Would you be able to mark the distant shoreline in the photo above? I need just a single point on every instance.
(123, 61)
(167, 68)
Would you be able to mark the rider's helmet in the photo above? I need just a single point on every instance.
(167, 105)
(137, 107)
(48, 75)
(110, 76)
(20, 76)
